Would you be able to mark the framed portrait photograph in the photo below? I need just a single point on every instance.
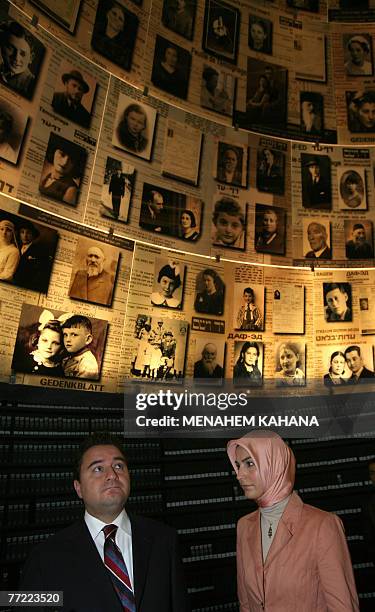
(290, 364)
(248, 364)
(94, 271)
(270, 176)
(337, 370)
(266, 93)
(352, 188)
(337, 302)
(63, 169)
(358, 54)
(316, 240)
(304, 5)
(27, 252)
(360, 107)
(316, 181)
(229, 220)
(64, 13)
(209, 292)
(209, 357)
(115, 33)
(159, 349)
(169, 280)
(359, 241)
(13, 127)
(270, 229)
(74, 94)
(117, 189)
(248, 307)
(171, 68)
(179, 16)
(59, 344)
(311, 112)
(134, 127)
(231, 163)
(217, 90)
(221, 30)
(22, 56)
(260, 34)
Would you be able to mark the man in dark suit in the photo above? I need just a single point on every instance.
(94, 284)
(34, 268)
(316, 187)
(68, 103)
(83, 559)
(317, 237)
(355, 364)
(117, 189)
(152, 216)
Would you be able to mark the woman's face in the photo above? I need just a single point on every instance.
(167, 286)
(136, 122)
(338, 365)
(366, 114)
(6, 233)
(185, 221)
(269, 222)
(288, 360)
(357, 53)
(49, 344)
(116, 19)
(351, 186)
(209, 283)
(248, 475)
(251, 356)
(62, 162)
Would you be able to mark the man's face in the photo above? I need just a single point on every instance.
(94, 261)
(359, 236)
(157, 203)
(136, 122)
(171, 57)
(16, 54)
(26, 235)
(317, 237)
(116, 19)
(269, 222)
(258, 35)
(104, 483)
(230, 160)
(74, 90)
(366, 114)
(209, 283)
(248, 297)
(337, 301)
(314, 171)
(209, 354)
(354, 361)
(76, 338)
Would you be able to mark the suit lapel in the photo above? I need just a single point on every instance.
(141, 545)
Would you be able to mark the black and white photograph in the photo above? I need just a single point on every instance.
(74, 94)
(270, 176)
(115, 33)
(221, 30)
(27, 252)
(361, 111)
(13, 127)
(311, 112)
(231, 163)
(160, 349)
(134, 127)
(359, 242)
(338, 372)
(169, 280)
(248, 307)
(64, 13)
(358, 54)
(316, 181)
(270, 229)
(217, 90)
(260, 34)
(266, 93)
(229, 220)
(337, 302)
(179, 16)
(59, 344)
(117, 190)
(248, 364)
(290, 364)
(352, 188)
(94, 271)
(304, 5)
(21, 58)
(209, 357)
(171, 68)
(316, 240)
(172, 213)
(63, 170)
(209, 292)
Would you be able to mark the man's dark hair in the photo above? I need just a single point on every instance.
(353, 347)
(99, 438)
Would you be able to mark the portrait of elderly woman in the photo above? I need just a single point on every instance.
(358, 54)
(290, 362)
(352, 189)
(62, 170)
(168, 284)
(115, 33)
(361, 111)
(134, 127)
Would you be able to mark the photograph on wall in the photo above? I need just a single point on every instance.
(358, 54)
(182, 162)
(316, 241)
(63, 169)
(169, 281)
(337, 302)
(304, 5)
(160, 349)
(361, 111)
(171, 213)
(59, 343)
(260, 34)
(64, 13)
(115, 33)
(352, 188)
(94, 270)
(287, 298)
(27, 252)
(229, 220)
(337, 370)
(270, 229)
(350, 364)
(248, 364)
(117, 190)
(311, 112)
(266, 94)
(359, 242)
(209, 292)
(248, 307)
(134, 127)
(290, 364)
(221, 30)
(270, 175)
(209, 357)
(171, 68)
(74, 94)
(13, 126)
(231, 163)
(217, 90)
(179, 16)
(21, 58)
(366, 304)
(316, 181)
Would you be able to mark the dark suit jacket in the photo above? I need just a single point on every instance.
(69, 562)
(326, 254)
(76, 113)
(364, 374)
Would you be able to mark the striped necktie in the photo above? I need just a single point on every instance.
(115, 564)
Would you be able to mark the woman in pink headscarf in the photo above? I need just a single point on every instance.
(290, 556)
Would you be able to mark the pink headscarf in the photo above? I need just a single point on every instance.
(274, 461)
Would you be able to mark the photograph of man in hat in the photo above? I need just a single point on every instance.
(68, 103)
(37, 246)
(316, 181)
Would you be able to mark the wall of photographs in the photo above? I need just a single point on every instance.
(176, 179)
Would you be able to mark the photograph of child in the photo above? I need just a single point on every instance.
(134, 127)
(229, 223)
(169, 279)
(248, 312)
(352, 188)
